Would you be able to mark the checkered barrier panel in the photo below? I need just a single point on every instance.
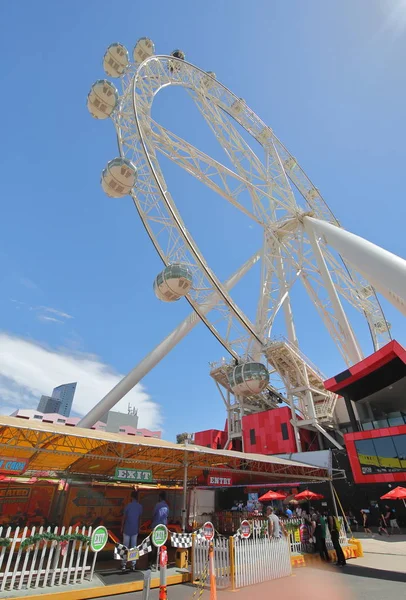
(181, 540)
(121, 551)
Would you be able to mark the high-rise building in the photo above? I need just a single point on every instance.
(65, 394)
(48, 404)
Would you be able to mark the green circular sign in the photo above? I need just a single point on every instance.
(99, 539)
(159, 535)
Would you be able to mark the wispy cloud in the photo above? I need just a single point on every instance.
(52, 319)
(28, 283)
(28, 369)
(54, 311)
(43, 312)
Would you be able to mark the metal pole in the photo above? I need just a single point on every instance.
(147, 585)
(184, 507)
(333, 497)
(386, 271)
(159, 352)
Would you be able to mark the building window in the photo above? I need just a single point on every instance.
(37, 416)
(285, 431)
(382, 455)
(121, 430)
(60, 420)
(253, 439)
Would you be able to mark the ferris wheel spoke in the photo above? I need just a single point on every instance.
(209, 171)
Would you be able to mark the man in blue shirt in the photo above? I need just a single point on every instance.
(131, 526)
(159, 517)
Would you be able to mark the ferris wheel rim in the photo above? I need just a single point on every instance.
(195, 250)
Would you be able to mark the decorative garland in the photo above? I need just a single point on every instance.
(47, 536)
(52, 537)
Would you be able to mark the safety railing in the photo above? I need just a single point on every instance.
(261, 559)
(200, 561)
(43, 562)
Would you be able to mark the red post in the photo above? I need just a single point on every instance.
(163, 561)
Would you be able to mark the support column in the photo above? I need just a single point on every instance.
(386, 271)
(334, 498)
(352, 348)
(351, 413)
(159, 352)
(184, 506)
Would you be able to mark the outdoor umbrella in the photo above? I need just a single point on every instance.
(308, 495)
(272, 496)
(399, 493)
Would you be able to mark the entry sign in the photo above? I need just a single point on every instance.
(208, 531)
(245, 529)
(159, 535)
(99, 539)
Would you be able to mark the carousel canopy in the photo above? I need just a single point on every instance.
(61, 450)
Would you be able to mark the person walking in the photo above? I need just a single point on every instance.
(390, 518)
(383, 525)
(320, 535)
(159, 517)
(365, 521)
(334, 526)
(130, 527)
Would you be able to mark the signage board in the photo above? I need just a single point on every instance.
(214, 480)
(99, 539)
(208, 531)
(245, 529)
(133, 554)
(12, 466)
(134, 475)
(159, 535)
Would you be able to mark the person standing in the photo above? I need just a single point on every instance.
(320, 535)
(289, 512)
(274, 525)
(365, 521)
(130, 527)
(383, 525)
(159, 517)
(333, 525)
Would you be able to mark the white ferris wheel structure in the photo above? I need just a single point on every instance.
(301, 241)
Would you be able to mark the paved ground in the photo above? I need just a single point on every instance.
(380, 574)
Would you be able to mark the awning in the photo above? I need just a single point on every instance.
(70, 452)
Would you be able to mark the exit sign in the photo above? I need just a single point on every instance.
(135, 475)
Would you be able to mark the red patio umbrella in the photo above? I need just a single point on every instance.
(399, 493)
(272, 496)
(308, 495)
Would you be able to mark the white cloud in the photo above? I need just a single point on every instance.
(28, 369)
(52, 319)
(54, 311)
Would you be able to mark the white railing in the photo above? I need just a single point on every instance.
(261, 559)
(45, 563)
(221, 561)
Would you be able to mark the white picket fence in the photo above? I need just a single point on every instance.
(43, 565)
(221, 561)
(261, 559)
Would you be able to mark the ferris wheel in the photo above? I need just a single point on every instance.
(301, 240)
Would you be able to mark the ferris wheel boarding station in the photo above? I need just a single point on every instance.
(301, 241)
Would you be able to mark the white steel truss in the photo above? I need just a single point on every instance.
(260, 188)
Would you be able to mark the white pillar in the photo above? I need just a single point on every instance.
(153, 358)
(386, 271)
(352, 349)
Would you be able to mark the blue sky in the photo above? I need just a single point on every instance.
(329, 79)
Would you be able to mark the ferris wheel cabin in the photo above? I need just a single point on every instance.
(115, 60)
(249, 379)
(143, 49)
(102, 99)
(118, 178)
(173, 282)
